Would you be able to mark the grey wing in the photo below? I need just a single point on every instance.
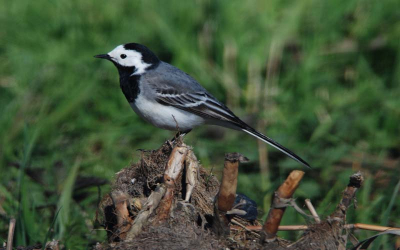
(173, 87)
(199, 103)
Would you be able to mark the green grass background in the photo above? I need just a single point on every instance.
(320, 77)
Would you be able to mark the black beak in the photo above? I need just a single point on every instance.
(103, 56)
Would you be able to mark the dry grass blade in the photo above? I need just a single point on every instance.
(10, 237)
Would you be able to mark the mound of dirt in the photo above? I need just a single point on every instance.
(167, 200)
(187, 225)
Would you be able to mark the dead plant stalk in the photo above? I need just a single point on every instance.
(285, 191)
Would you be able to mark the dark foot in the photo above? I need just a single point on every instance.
(179, 135)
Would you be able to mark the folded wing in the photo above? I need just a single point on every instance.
(206, 106)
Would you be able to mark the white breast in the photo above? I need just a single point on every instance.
(164, 116)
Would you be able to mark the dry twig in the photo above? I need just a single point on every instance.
(312, 210)
(370, 227)
(347, 226)
(338, 217)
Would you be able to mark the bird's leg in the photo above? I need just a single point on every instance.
(179, 134)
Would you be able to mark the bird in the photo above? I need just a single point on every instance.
(169, 98)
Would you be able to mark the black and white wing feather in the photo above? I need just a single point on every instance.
(205, 105)
(199, 103)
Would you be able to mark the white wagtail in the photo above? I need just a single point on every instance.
(169, 98)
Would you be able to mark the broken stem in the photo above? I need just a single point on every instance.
(192, 172)
(227, 192)
(142, 218)
(285, 191)
(339, 215)
(172, 173)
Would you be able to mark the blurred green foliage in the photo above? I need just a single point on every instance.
(320, 77)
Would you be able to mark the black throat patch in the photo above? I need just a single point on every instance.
(129, 83)
(130, 87)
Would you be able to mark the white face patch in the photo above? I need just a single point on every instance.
(132, 59)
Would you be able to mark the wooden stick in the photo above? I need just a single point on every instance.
(227, 193)
(10, 238)
(244, 227)
(292, 227)
(312, 210)
(281, 228)
(339, 215)
(370, 227)
(172, 173)
(285, 191)
(347, 226)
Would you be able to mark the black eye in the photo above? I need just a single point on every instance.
(123, 56)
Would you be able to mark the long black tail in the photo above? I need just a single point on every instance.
(274, 144)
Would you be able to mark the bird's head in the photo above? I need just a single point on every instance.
(132, 59)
